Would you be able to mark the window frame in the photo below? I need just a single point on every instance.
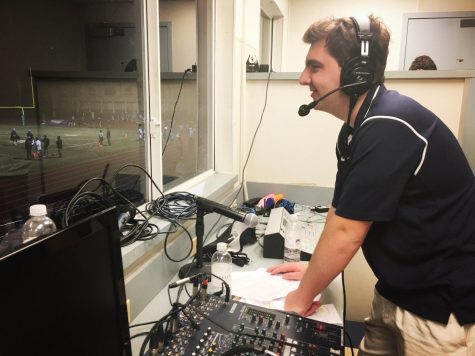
(221, 103)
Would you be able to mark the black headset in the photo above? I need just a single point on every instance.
(358, 69)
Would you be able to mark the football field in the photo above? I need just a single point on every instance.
(79, 145)
(82, 158)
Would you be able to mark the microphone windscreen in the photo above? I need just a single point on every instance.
(251, 220)
(304, 110)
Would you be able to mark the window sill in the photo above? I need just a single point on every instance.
(209, 185)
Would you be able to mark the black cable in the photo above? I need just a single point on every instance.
(143, 324)
(165, 250)
(150, 231)
(139, 229)
(344, 311)
(138, 335)
(226, 286)
(142, 169)
(174, 206)
(241, 349)
(349, 341)
(79, 195)
(255, 133)
(174, 108)
(248, 154)
(161, 321)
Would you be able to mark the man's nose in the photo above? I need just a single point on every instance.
(304, 78)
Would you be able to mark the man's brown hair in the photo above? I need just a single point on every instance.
(342, 43)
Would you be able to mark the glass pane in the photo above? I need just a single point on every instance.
(73, 72)
(184, 140)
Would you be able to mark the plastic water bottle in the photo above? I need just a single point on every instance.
(38, 224)
(221, 266)
(292, 240)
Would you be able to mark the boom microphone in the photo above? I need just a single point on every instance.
(209, 206)
(304, 109)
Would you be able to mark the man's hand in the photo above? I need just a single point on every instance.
(291, 270)
(295, 303)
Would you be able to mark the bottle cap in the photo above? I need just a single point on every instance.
(38, 210)
(222, 246)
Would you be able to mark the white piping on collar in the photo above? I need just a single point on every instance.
(371, 103)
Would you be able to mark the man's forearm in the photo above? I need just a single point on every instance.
(340, 240)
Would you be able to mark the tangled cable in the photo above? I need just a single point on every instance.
(173, 206)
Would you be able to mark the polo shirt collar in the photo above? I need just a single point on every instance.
(373, 93)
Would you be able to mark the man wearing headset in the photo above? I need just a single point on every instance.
(404, 192)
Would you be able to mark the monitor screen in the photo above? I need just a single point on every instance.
(64, 294)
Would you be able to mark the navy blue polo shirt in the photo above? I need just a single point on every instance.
(403, 169)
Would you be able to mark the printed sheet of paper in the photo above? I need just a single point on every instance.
(262, 289)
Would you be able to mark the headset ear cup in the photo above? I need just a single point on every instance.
(356, 70)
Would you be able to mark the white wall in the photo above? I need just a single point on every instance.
(299, 14)
(294, 150)
(182, 15)
(446, 5)
(302, 13)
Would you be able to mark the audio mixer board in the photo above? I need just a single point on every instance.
(244, 329)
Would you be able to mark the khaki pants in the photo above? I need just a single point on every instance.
(391, 330)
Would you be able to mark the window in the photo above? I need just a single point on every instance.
(272, 23)
(70, 70)
(186, 147)
(88, 72)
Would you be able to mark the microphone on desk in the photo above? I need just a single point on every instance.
(203, 207)
(304, 109)
(209, 206)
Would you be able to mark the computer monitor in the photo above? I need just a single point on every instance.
(64, 294)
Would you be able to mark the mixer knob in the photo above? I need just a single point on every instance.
(269, 323)
(277, 324)
(287, 318)
(260, 320)
(253, 319)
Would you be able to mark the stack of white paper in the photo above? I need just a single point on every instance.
(263, 289)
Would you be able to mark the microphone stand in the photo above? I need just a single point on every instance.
(191, 269)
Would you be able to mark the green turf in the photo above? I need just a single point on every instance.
(80, 145)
